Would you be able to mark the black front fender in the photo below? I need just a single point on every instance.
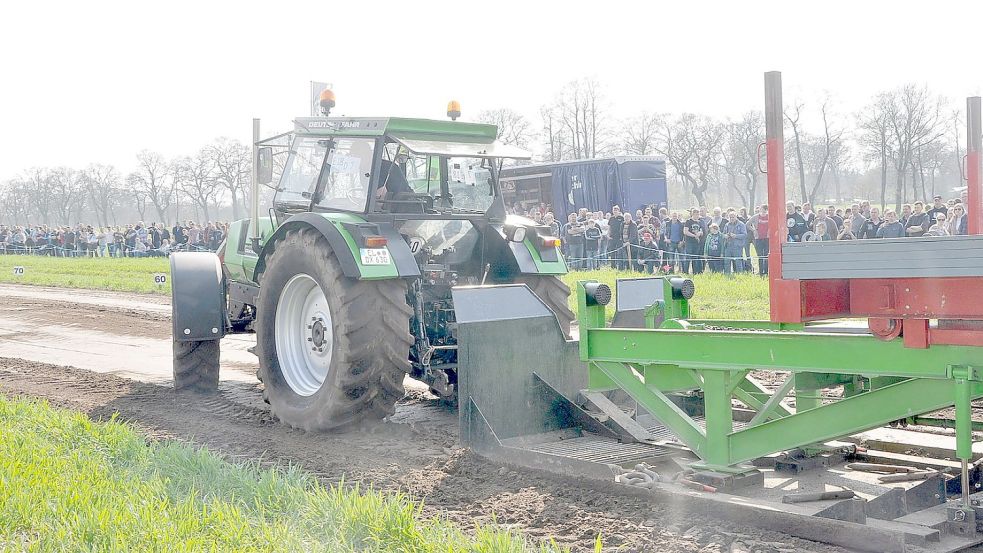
(197, 297)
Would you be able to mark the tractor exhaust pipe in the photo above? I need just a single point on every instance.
(254, 187)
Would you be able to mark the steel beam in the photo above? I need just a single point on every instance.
(770, 408)
(793, 351)
(658, 404)
(845, 417)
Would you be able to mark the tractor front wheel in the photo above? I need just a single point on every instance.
(332, 350)
(196, 365)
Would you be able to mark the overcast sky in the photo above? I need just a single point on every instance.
(96, 81)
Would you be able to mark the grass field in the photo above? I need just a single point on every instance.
(717, 296)
(102, 273)
(743, 296)
(70, 484)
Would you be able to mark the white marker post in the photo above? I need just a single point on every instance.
(160, 279)
(18, 271)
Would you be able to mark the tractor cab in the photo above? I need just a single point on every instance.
(416, 168)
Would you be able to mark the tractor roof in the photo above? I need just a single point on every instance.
(398, 127)
(423, 136)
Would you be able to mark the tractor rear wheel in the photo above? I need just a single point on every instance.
(196, 366)
(555, 294)
(332, 350)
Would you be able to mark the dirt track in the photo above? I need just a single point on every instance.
(415, 452)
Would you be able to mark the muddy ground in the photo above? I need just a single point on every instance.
(416, 452)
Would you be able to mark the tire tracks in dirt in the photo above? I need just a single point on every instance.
(414, 452)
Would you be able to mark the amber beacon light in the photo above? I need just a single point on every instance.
(453, 109)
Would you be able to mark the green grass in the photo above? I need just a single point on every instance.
(717, 296)
(70, 484)
(103, 273)
(743, 296)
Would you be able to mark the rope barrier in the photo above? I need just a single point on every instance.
(61, 251)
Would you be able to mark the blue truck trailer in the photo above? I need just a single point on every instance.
(631, 182)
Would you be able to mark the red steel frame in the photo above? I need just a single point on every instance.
(895, 306)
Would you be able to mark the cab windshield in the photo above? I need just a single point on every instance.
(339, 182)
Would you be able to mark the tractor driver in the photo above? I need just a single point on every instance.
(392, 179)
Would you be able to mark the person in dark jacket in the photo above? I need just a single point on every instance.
(616, 228)
(692, 261)
(573, 239)
(630, 237)
(592, 242)
(796, 223)
(647, 253)
(870, 226)
(918, 222)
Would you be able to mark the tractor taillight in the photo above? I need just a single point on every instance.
(550, 242)
(375, 241)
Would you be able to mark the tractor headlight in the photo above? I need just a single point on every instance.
(518, 234)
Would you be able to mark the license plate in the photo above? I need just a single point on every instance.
(375, 256)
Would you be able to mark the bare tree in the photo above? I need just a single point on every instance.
(691, 146)
(793, 114)
(876, 136)
(915, 118)
(739, 152)
(14, 203)
(513, 128)
(554, 136)
(37, 182)
(823, 151)
(155, 182)
(640, 134)
(230, 160)
(929, 162)
(103, 185)
(957, 138)
(576, 125)
(838, 161)
(194, 176)
(137, 189)
(67, 188)
(818, 150)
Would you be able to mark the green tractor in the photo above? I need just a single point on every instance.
(347, 283)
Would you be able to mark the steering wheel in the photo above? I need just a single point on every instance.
(352, 195)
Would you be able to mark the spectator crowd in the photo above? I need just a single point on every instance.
(135, 240)
(721, 241)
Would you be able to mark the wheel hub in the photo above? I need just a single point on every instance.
(303, 335)
(317, 333)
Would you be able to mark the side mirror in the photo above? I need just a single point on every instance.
(264, 165)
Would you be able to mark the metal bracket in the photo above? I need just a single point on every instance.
(798, 460)
(965, 372)
(961, 521)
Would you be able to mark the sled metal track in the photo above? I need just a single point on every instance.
(600, 449)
